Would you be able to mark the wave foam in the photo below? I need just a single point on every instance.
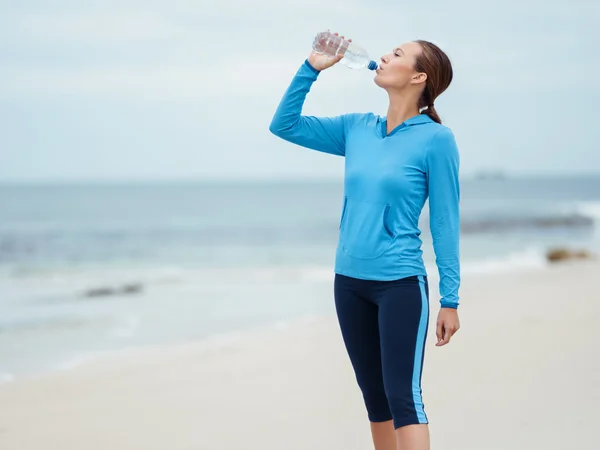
(127, 328)
(527, 259)
(590, 209)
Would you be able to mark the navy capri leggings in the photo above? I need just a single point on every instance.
(384, 328)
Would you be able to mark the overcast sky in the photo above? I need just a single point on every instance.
(178, 89)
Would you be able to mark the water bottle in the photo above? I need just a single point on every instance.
(331, 45)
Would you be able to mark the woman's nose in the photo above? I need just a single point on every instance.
(383, 60)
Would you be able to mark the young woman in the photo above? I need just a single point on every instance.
(393, 164)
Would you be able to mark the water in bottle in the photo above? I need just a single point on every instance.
(331, 45)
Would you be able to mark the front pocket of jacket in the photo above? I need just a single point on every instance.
(385, 223)
(365, 232)
(343, 211)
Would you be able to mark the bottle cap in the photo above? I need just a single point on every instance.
(372, 65)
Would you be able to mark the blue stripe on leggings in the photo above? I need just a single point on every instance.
(419, 352)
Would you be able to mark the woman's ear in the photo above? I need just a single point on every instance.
(418, 78)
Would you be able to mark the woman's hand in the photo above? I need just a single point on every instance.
(447, 325)
(321, 62)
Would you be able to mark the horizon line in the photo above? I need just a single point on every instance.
(471, 176)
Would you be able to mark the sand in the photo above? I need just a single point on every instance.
(522, 373)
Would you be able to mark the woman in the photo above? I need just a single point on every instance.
(392, 166)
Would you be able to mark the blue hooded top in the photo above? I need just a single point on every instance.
(388, 178)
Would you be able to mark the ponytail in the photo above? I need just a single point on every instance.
(432, 113)
(436, 64)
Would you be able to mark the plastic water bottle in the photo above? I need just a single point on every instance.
(331, 45)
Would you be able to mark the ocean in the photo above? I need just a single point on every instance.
(93, 268)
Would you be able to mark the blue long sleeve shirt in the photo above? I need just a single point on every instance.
(388, 178)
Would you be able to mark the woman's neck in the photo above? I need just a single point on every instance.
(400, 110)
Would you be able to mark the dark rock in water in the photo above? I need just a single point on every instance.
(564, 254)
(133, 288)
(100, 292)
(524, 223)
(574, 221)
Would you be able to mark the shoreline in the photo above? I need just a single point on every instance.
(318, 275)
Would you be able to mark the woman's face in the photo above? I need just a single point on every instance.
(397, 69)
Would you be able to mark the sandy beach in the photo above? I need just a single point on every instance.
(522, 373)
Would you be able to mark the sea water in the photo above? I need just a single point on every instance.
(91, 268)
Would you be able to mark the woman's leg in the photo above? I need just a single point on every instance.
(384, 436)
(358, 319)
(403, 320)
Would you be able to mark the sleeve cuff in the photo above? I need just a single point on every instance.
(449, 305)
(312, 69)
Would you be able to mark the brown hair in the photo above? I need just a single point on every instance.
(436, 64)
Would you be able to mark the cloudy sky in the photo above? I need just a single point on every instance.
(182, 89)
